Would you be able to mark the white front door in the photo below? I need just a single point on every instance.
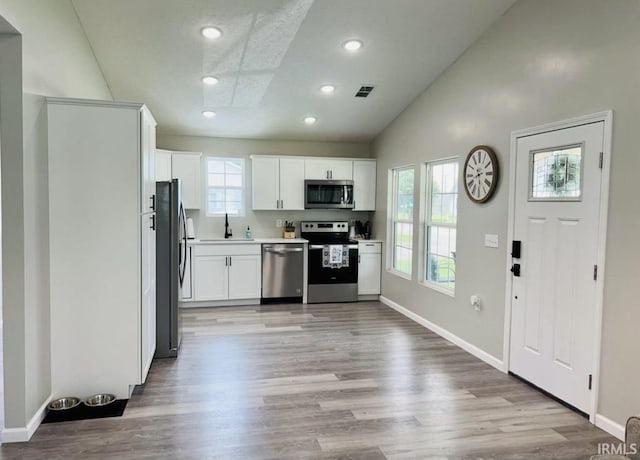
(557, 200)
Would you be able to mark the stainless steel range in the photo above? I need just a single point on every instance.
(333, 262)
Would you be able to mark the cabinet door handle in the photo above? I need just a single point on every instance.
(358, 258)
(153, 222)
(281, 204)
(226, 261)
(153, 203)
(229, 261)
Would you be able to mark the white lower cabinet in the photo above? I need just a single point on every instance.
(211, 277)
(226, 272)
(245, 277)
(370, 265)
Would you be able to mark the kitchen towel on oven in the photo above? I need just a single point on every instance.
(335, 256)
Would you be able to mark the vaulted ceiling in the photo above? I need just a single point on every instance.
(273, 57)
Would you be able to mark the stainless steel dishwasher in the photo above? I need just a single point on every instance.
(282, 272)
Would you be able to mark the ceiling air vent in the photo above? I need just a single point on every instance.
(364, 91)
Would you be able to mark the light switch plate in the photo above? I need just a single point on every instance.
(278, 223)
(491, 241)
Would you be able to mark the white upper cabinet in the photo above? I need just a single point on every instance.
(163, 165)
(277, 183)
(328, 168)
(265, 183)
(186, 167)
(147, 161)
(291, 183)
(364, 185)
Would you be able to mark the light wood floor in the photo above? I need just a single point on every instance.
(351, 381)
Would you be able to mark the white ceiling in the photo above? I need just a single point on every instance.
(274, 55)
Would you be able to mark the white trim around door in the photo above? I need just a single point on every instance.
(607, 118)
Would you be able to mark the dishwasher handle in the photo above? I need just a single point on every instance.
(282, 251)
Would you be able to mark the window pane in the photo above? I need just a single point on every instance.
(216, 180)
(405, 181)
(215, 166)
(403, 260)
(234, 195)
(216, 194)
(234, 180)
(555, 174)
(404, 235)
(216, 207)
(234, 207)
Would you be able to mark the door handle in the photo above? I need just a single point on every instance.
(516, 249)
(515, 270)
(153, 222)
(153, 202)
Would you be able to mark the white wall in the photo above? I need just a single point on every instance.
(57, 61)
(262, 223)
(543, 61)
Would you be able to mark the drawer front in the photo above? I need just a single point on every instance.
(226, 249)
(366, 248)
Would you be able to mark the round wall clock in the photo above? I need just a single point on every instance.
(480, 173)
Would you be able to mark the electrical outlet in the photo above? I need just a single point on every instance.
(278, 223)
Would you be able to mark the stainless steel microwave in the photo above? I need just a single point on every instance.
(328, 194)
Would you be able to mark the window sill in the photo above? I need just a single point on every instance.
(436, 287)
(400, 274)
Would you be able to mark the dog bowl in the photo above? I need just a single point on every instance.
(99, 400)
(66, 403)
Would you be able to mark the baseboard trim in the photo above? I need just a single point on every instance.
(466, 346)
(611, 427)
(23, 434)
(219, 303)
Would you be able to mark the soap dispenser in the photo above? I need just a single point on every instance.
(247, 233)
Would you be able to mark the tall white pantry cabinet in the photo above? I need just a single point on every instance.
(102, 245)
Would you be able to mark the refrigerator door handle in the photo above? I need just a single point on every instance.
(183, 244)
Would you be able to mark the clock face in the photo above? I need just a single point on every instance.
(480, 173)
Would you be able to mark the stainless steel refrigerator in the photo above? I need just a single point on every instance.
(171, 260)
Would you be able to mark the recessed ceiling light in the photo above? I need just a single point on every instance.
(327, 89)
(208, 113)
(352, 45)
(310, 120)
(210, 80)
(211, 32)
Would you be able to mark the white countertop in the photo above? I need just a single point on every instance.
(248, 241)
(369, 241)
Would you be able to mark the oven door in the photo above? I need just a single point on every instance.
(327, 275)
